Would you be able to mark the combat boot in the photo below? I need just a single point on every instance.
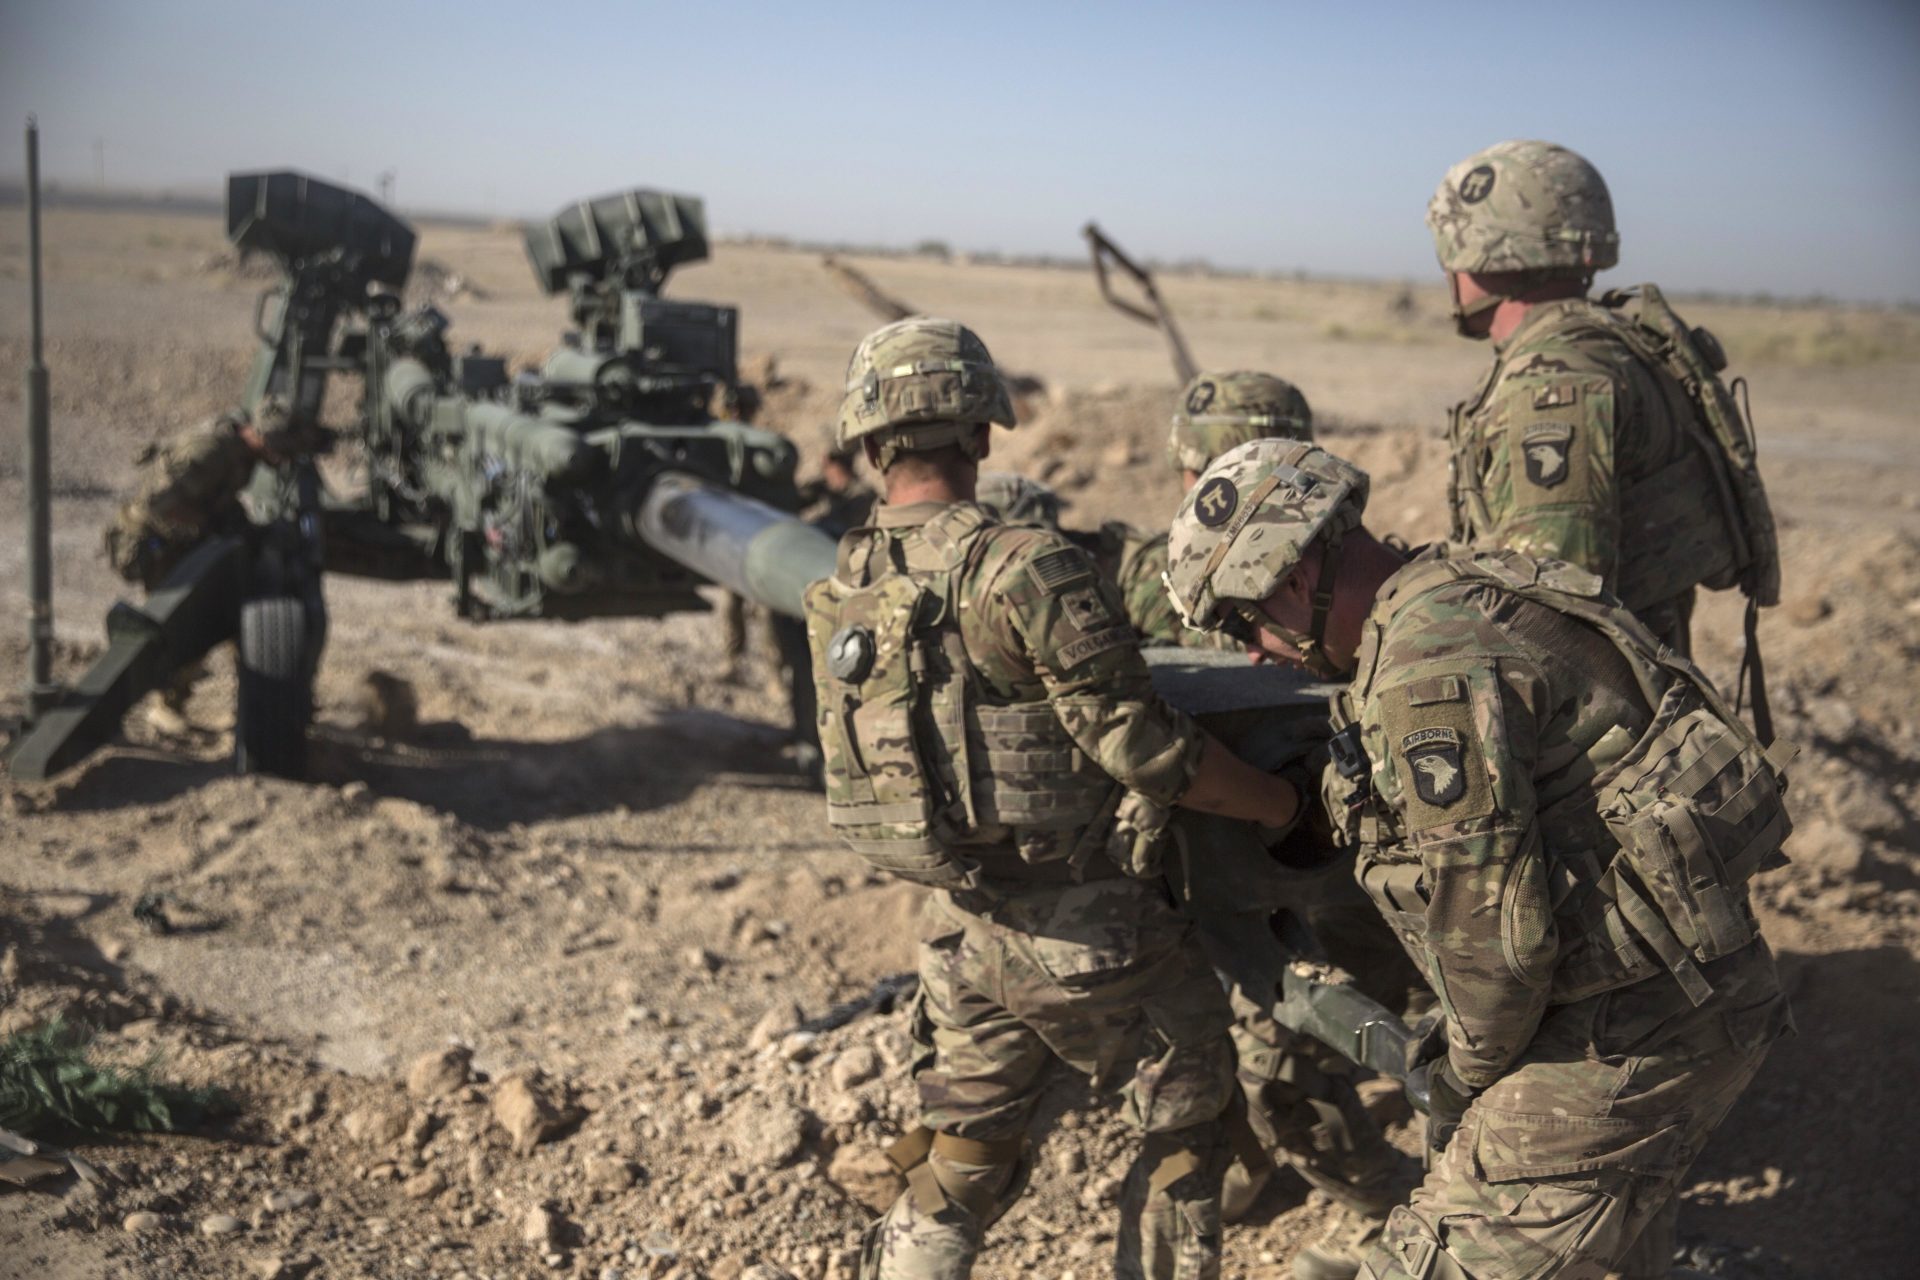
(1242, 1187)
(1338, 1253)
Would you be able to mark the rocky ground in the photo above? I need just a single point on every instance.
(523, 989)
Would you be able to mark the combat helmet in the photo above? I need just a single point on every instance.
(1524, 206)
(924, 383)
(1019, 500)
(1248, 523)
(1218, 411)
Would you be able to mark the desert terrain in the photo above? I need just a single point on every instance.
(592, 870)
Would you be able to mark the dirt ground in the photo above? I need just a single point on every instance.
(592, 867)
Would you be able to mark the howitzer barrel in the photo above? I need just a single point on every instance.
(747, 546)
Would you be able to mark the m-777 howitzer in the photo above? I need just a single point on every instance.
(599, 487)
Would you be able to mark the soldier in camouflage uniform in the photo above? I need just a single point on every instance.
(190, 484)
(1585, 441)
(1559, 818)
(990, 731)
(188, 489)
(1300, 1103)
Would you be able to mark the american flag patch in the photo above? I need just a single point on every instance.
(1058, 569)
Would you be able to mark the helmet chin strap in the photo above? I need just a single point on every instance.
(1464, 313)
(1313, 646)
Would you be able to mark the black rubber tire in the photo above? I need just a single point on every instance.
(276, 688)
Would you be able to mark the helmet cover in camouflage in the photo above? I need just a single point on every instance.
(1523, 206)
(1250, 519)
(1019, 500)
(1218, 411)
(924, 381)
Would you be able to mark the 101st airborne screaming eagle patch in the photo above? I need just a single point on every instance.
(1548, 448)
(1435, 765)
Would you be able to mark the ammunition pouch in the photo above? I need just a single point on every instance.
(1698, 809)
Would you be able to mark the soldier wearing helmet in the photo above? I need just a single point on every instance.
(1592, 439)
(190, 482)
(1301, 1103)
(188, 489)
(990, 731)
(1218, 411)
(1525, 767)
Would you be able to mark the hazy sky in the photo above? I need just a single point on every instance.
(1749, 144)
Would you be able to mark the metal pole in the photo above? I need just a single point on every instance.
(42, 692)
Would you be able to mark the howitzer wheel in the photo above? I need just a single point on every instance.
(276, 688)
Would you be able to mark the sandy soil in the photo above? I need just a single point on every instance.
(592, 867)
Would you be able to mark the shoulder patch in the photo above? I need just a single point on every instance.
(1435, 754)
(1059, 569)
(1548, 447)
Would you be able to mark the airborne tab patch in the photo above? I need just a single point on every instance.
(1059, 569)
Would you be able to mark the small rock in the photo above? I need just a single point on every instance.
(139, 1222)
(221, 1224)
(866, 1175)
(540, 1226)
(775, 1025)
(894, 1047)
(701, 960)
(435, 1075)
(523, 1109)
(610, 1173)
(305, 1109)
(765, 1271)
(269, 1268)
(424, 1185)
(1119, 454)
(769, 1138)
(377, 1126)
(854, 1068)
(1070, 1160)
(355, 793)
(798, 1046)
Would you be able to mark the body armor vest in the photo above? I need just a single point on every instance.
(1703, 518)
(927, 773)
(1647, 862)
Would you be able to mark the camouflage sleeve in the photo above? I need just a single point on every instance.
(1455, 739)
(1143, 591)
(195, 476)
(1066, 624)
(1551, 479)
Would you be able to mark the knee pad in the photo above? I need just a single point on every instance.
(943, 1170)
